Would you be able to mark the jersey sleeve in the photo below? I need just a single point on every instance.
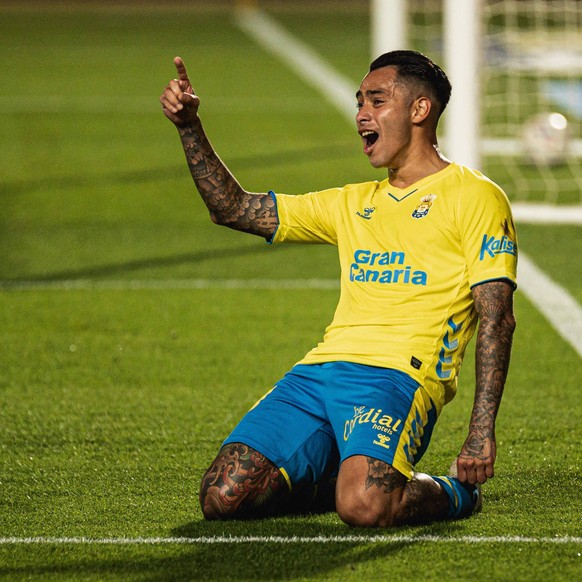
(488, 233)
(307, 218)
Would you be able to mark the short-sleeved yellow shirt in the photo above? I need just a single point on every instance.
(408, 261)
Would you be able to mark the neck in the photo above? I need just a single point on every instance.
(425, 162)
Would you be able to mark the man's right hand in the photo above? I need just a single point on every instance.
(179, 102)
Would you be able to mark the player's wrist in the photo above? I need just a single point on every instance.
(192, 123)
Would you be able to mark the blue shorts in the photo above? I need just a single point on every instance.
(320, 414)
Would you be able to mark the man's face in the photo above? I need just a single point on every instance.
(384, 118)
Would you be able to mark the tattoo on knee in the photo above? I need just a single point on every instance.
(383, 476)
(239, 479)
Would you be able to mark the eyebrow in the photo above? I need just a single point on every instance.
(371, 92)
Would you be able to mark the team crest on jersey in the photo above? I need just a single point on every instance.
(425, 205)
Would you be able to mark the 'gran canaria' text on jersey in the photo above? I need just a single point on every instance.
(367, 265)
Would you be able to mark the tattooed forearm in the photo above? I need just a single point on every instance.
(228, 203)
(494, 305)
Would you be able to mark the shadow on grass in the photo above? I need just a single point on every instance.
(236, 560)
(112, 269)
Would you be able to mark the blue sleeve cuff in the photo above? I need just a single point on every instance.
(512, 283)
(274, 197)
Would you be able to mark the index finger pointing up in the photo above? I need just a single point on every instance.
(181, 68)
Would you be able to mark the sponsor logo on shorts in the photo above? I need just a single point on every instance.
(384, 423)
(382, 441)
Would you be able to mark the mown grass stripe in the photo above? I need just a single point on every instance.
(167, 284)
(352, 539)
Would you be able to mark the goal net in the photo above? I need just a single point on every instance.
(530, 91)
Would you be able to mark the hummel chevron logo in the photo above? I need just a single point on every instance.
(367, 213)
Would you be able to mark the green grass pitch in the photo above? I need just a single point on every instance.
(114, 400)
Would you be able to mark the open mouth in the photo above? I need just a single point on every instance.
(369, 138)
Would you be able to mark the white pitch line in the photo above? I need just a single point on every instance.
(351, 539)
(338, 90)
(561, 310)
(540, 213)
(555, 303)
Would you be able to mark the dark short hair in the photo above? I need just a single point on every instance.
(414, 67)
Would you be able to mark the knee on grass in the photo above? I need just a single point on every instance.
(361, 510)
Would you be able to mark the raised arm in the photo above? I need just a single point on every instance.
(228, 203)
(494, 305)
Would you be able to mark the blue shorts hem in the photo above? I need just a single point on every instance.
(259, 447)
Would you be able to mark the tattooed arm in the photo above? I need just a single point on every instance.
(494, 305)
(228, 203)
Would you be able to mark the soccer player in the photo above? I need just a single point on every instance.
(426, 255)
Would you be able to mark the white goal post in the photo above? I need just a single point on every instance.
(462, 64)
(388, 26)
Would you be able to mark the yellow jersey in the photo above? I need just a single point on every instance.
(409, 258)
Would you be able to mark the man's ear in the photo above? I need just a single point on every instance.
(421, 109)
